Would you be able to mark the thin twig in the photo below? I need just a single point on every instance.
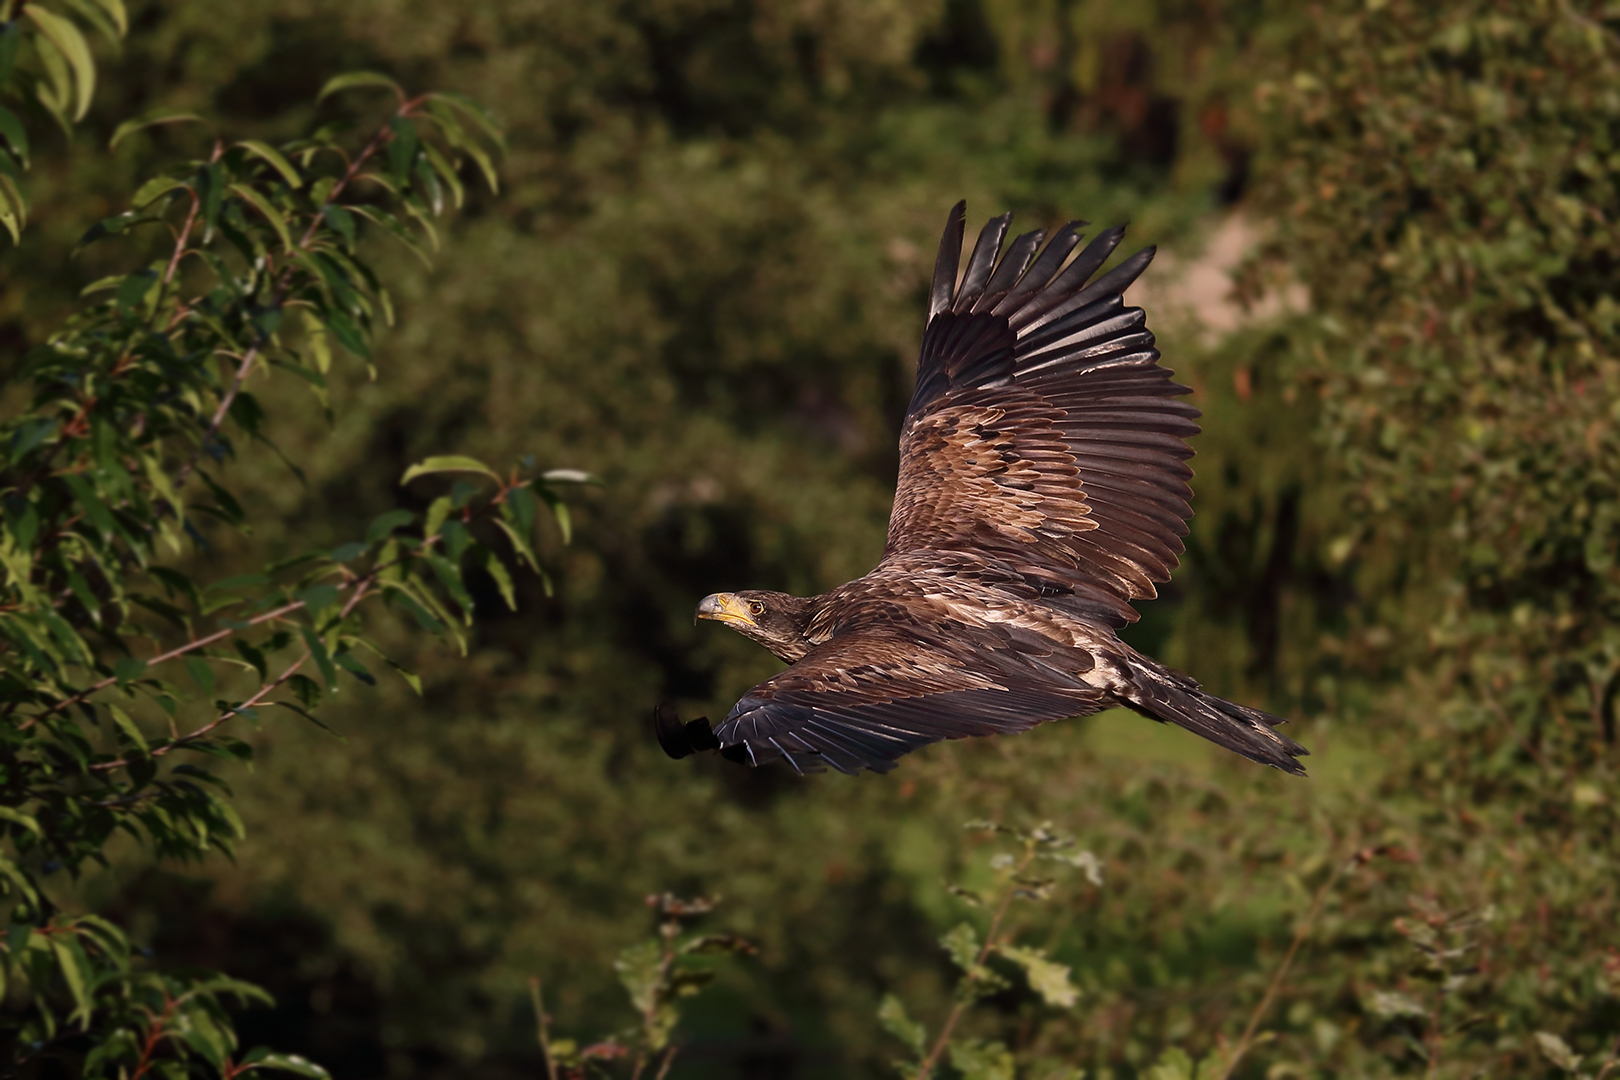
(543, 1027)
(1300, 934)
(192, 736)
(925, 1068)
(172, 654)
(265, 691)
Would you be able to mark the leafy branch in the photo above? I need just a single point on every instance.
(657, 974)
(142, 391)
(45, 59)
(979, 1059)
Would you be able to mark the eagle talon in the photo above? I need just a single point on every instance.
(680, 740)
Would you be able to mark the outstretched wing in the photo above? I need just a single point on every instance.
(868, 696)
(1043, 434)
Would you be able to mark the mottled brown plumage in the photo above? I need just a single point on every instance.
(1043, 487)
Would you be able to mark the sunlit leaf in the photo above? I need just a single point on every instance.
(354, 79)
(66, 37)
(448, 463)
(275, 159)
(1046, 977)
(130, 127)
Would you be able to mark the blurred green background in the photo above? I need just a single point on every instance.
(703, 282)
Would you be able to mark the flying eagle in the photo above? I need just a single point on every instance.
(1043, 487)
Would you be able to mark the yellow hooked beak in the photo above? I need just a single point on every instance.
(723, 607)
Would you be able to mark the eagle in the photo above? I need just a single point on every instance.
(1043, 487)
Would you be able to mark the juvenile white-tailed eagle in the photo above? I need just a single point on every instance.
(1043, 487)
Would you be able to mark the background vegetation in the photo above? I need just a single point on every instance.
(701, 282)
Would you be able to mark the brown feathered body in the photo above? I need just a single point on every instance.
(1043, 487)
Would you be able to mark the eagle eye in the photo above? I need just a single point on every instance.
(756, 608)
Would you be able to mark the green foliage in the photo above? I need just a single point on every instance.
(1015, 875)
(1450, 179)
(45, 59)
(703, 282)
(657, 974)
(114, 472)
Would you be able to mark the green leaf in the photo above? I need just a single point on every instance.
(1390, 1004)
(1557, 1051)
(1046, 977)
(66, 37)
(401, 147)
(275, 159)
(351, 80)
(448, 463)
(94, 508)
(311, 717)
(132, 291)
(12, 130)
(201, 674)
(503, 580)
(384, 524)
(70, 958)
(348, 334)
(317, 598)
(1173, 1064)
(962, 944)
(473, 111)
(210, 182)
(17, 817)
(127, 726)
(269, 213)
(979, 1060)
(640, 969)
(348, 663)
(447, 173)
(341, 221)
(115, 11)
(323, 659)
(348, 552)
(130, 127)
(409, 676)
(261, 1058)
(13, 208)
(892, 1015)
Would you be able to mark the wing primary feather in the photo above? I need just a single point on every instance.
(1073, 276)
(1120, 277)
(981, 262)
(1037, 276)
(1010, 269)
(945, 264)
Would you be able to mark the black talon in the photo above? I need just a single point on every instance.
(682, 740)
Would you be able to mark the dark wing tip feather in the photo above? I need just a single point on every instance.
(945, 263)
(982, 262)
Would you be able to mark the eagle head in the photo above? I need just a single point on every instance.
(775, 620)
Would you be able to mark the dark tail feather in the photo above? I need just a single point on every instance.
(1165, 697)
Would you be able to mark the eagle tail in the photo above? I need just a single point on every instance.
(1169, 697)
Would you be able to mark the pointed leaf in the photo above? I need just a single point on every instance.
(130, 127)
(275, 159)
(66, 37)
(448, 463)
(352, 79)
